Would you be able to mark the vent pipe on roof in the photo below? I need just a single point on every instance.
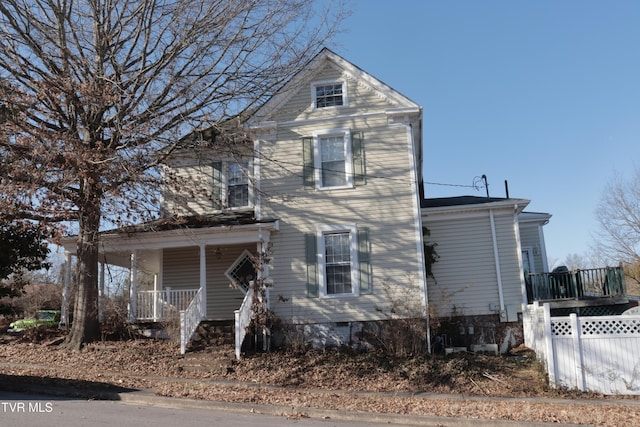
(486, 184)
(506, 188)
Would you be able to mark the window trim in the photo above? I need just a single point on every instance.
(224, 183)
(314, 100)
(348, 157)
(321, 232)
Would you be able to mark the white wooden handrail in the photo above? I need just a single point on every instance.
(189, 320)
(243, 319)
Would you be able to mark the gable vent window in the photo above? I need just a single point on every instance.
(329, 95)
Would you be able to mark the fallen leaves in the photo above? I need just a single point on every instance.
(474, 386)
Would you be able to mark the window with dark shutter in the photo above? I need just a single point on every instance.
(357, 152)
(217, 192)
(311, 249)
(340, 160)
(343, 269)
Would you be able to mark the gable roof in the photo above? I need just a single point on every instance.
(324, 57)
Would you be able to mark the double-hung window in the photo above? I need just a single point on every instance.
(338, 261)
(332, 159)
(238, 184)
(231, 184)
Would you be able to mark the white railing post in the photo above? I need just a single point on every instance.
(549, 347)
(133, 287)
(183, 332)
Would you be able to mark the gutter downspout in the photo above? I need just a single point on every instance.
(503, 313)
(418, 225)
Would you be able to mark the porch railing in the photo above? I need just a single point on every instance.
(163, 305)
(190, 318)
(576, 284)
(243, 319)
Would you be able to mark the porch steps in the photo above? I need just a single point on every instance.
(213, 334)
(212, 349)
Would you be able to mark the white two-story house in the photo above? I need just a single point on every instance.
(321, 202)
(317, 198)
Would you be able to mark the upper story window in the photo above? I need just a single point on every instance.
(333, 163)
(238, 184)
(232, 184)
(334, 154)
(329, 94)
(333, 159)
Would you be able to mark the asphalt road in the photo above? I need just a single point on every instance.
(30, 410)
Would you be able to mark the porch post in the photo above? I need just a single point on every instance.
(101, 294)
(263, 279)
(133, 287)
(156, 298)
(203, 279)
(66, 287)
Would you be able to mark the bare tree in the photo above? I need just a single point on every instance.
(96, 94)
(618, 214)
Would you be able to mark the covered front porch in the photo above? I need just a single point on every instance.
(200, 267)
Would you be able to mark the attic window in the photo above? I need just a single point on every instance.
(329, 95)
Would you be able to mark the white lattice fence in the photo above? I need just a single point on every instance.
(598, 354)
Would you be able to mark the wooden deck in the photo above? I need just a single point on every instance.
(578, 288)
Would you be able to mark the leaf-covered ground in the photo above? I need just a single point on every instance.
(474, 386)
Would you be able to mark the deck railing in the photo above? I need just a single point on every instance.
(163, 305)
(576, 284)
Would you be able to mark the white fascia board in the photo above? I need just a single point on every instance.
(465, 211)
(221, 235)
(534, 217)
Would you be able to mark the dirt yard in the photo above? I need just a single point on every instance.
(466, 385)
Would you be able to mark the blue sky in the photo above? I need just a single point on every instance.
(544, 94)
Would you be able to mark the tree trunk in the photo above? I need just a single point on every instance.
(85, 326)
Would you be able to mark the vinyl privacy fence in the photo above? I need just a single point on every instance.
(597, 353)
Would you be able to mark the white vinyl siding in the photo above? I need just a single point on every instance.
(203, 187)
(530, 237)
(466, 282)
(383, 205)
(383, 208)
